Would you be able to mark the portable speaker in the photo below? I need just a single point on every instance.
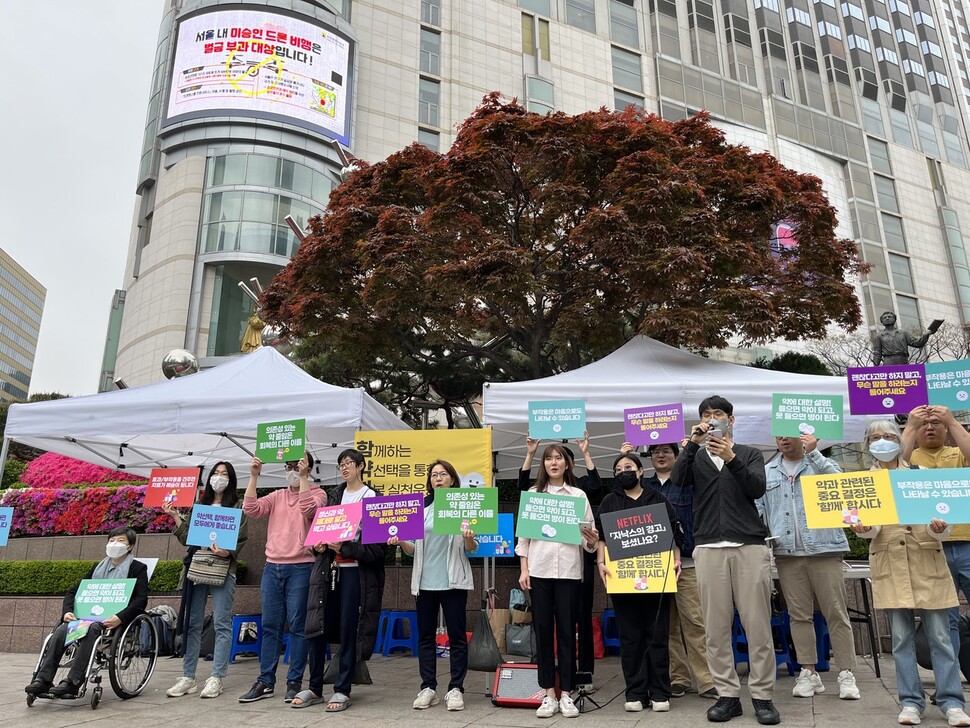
(517, 686)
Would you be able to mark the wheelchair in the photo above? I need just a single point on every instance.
(129, 655)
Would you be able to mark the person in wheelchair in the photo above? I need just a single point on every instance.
(117, 564)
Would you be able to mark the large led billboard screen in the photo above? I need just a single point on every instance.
(266, 65)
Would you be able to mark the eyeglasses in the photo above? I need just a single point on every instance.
(291, 466)
(933, 423)
(440, 475)
(346, 465)
(883, 436)
(625, 469)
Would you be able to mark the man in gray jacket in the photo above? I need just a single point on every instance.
(809, 563)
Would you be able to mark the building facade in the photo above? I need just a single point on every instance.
(869, 95)
(21, 310)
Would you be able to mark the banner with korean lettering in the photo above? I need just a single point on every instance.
(658, 425)
(393, 515)
(886, 390)
(549, 517)
(172, 485)
(501, 544)
(637, 531)
(794, 415)
(457, 510)
(846, 499)
(334, 524)
(396, 461)
(948, 383)
(6, 520)
(924, 494)
(279, 442)
(649, 574)
(214, 526)
(559, 419)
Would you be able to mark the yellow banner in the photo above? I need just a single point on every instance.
(845, 499)
(397, 460)
(642, 575)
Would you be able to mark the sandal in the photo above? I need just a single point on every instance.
(338, 703)
(306, 698)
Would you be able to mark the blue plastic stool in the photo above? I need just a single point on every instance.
(823, 642)
(394, 637)
(611, 636)
(237, 645)
(780, 631)
(381, 627)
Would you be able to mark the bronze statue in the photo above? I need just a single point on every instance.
(892, 346)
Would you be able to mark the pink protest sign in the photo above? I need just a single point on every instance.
(656, 425)
(333, 524)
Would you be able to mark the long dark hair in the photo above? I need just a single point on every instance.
(449, 468)
(542, 482)
(230, 496)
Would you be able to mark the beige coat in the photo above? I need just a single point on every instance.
(909, 570)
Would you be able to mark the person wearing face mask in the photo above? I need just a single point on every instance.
(118, 563)
(441, 579)
(220, 490)
(731, 557)
(809, 562)
(910, 575)
(642, 620)
(286, 576)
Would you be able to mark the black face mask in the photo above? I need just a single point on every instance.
(628, 479)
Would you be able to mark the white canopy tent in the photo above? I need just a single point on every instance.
(202, 418)
(645, 372)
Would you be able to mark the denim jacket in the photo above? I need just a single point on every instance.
(782, 504)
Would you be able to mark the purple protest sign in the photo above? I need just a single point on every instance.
(886, 390)
(655, 425)
(393, 515)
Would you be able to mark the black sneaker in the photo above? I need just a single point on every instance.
(765, 712)
(257, 692)
(710, 694)
(65, 689)
(292, 688)
(678, 691)
(724, 709)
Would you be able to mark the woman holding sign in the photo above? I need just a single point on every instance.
(910, 574)
(220, 490)
(441, 577)
(553, 571)
(642, 620)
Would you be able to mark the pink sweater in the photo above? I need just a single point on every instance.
(288, 526)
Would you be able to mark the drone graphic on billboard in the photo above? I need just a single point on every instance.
(263, 64)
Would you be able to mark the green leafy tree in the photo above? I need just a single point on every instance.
(793, 361)
(539, 243)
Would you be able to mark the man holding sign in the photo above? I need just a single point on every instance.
(117, 564)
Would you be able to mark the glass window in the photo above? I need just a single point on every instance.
(221, 236)
(540, 95)
(231, 308)
(528, 35)
(229, 169)
(297, 178)
(875, 22)
(429, 102)
(262, 170)
(886, 192)
(921, 18)
(914, 67)
(430, 139)
(430, 52)
(621, 99)
(879, 156)
(884, 54)
(626, 69)
(797, 15)
(893, 229)
(536, 6)
(623, 23)
(902, 273)
(860, 43)
(898, 6)
(850, 9)
(543, 39)
(322, 185)
(581, 14)
(224, 206)
(908, 312)
(300, 211)
(431, 12)
(259, 207)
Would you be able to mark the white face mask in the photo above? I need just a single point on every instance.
(885, 451)
(219, 483)
(115, 550)
(292, 478)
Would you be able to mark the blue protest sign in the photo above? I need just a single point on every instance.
(498, 545)
(559, 419)
(6, 519)
(948, 383)
(214, 526)
(931, 493)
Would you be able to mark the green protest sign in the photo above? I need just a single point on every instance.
(548, 517)
(279, 442)
(459, 509)
(794, 415)
(99, 599)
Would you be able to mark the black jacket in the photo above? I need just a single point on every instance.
(370, 563)
(618, 500)
(139, 596)
(724, 508)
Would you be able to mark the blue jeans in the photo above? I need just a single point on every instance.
(946, 672)
(221, 621)
(283, 592)
(958, 559)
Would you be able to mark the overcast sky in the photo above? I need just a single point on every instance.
(75, 90)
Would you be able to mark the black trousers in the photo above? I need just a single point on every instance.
(55, 650)
(643, 623)
(585, 622)
(452, 603)
(341, 620)
(555, 606)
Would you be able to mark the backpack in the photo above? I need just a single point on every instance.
(207, 645)
(166, 636)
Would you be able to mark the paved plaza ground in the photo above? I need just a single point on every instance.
(388, 702)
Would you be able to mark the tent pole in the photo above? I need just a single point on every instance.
(4, 449)
(238, 444)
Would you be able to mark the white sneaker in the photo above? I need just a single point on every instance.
(956, 716)
(212, 688)
(807, 684)
(660, 706)
(549, 707)
(454, 700)
(633, 706)
(908, 716)
(182, 686)
(426, 698)
(848, 690)
(567, 707)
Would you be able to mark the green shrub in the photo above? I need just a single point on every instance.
(858, 546)
(12, 471)
(46, 578)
